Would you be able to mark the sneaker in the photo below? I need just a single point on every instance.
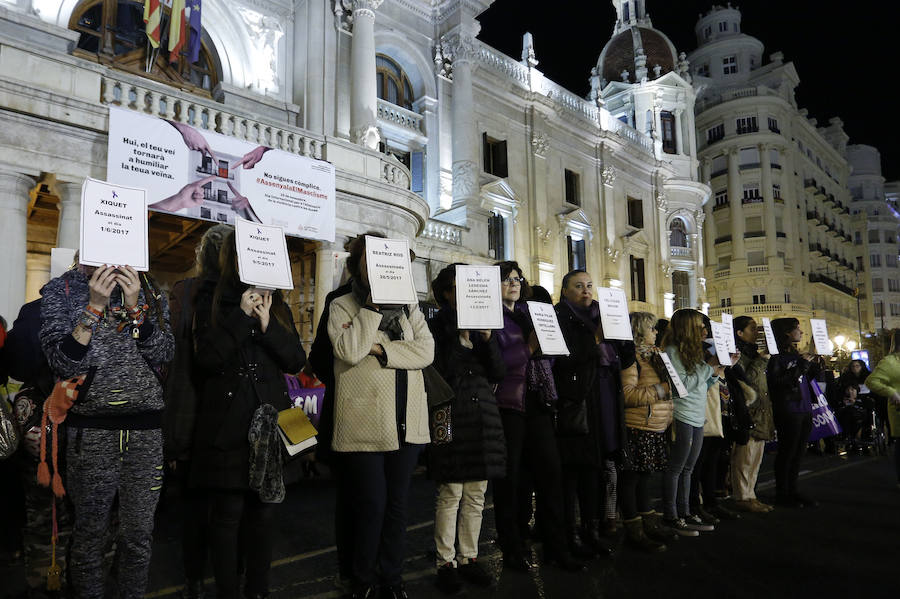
(750, 505)
(448, 581)
(680, 527)
(474, 573)
(694, 522)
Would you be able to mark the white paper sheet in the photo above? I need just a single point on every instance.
(728, 321)
(614, 314)
(113, 225)
(720, 339)
(676, 380)
(390, 273)
(263, 259)
(770, 336)
(478, 302)
(820, 336)
(546, 327)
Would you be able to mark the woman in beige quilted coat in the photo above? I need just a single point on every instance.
(648, 413)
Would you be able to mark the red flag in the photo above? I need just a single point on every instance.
(177, 33)
(152, 14)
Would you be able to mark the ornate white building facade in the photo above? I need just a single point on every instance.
(435, 136)
(779, 231)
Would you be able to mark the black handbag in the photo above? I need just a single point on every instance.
(440, 396)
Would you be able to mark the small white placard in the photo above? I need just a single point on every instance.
(60, 260)
(390, 273)
(546, 327)
(113, 225)
(720, 340)
(820, 336)
(676, 380)
(478, 302)
(614, 314)
(770, 336)
(263, 259)
(728, 321)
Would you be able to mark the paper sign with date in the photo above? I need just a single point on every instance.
(770, 336)
(820, 336)
(390, 273)
(478, 302)
(614, 314)
(263, 259)
(113, 225)
(728, 321)
(546, 327)
(720, 334)
(673, 374)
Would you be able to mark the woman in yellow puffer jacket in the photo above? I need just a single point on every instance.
(648, 413)
(885, 381)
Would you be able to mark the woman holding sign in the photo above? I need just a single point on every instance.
(245, 342)
(789, 375)
(885, 381)
(590, 425)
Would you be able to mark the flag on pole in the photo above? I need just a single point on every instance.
(152, 14)
(195, 32)
(177, 34)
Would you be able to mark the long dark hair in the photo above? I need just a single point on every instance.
(781, 328)
(357, 248)
(230, 284)
(209, 249)
(443, 283)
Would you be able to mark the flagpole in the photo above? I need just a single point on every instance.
(163, 39)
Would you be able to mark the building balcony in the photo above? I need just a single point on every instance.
(747, 130)
(785, 309)
(752, 200)
(441, 231)
(752, 234)
(681, 252)
(813, 216)
(810, 184)
(723, 239)
(721, 206)
(758, 268)
(406, 122)
(819, 278)
(723, 273)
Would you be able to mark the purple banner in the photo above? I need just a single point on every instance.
(823, 421)
(308, 399)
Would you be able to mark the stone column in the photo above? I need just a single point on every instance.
(324, 278)
(68, 233)
(14, 188)
(36, 276)
(314, 98)
(428, 107)
(465, 138)
(789, 212)
(709, 235)
(735, 198)
(364, 92)
(769, 202)
(679, 135)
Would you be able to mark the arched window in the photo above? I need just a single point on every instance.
(393, 84)
(112, 33)
(678, 234)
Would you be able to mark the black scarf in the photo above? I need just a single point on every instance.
(390, 315)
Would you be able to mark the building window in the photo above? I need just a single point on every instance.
(724, 262)
(857, 238)
(890, 260)
(875, 260)
(715, 133)
(667, 122)
(773, 125)
(497, 237)
(627, 12)
(787, 297)
(638, 288)
(721, 197)
(735, 27)
(874, 236)
(723, 27)
(678, 234)
(729, 65)
(494, 151)
(746, 124)
(726, 302)
(879, 308)
(576, 254)
(751, 193)
(393, 84)
(703, 70)
(636, 213)
(417, 172)
(759, 299)
(893, 285)
(756, 258)
(681, 287)
(116, 30)
(573, 189)
(877, 285)
(707, 32)
(775, 158)
(776, 191)
(895, 309)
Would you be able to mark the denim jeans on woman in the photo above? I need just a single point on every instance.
(677, 477)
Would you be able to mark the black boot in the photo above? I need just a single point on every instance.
(655, 529)
(636, 538)
(591, 537)
(577, 547)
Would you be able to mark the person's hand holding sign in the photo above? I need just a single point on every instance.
(128, 280)
(190, 195)
(251, 158)
(261, 310)
(101, 284)
(249, 300)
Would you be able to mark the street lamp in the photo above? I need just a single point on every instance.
(839, 341)
(851, 345)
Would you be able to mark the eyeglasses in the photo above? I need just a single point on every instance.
(512, 280)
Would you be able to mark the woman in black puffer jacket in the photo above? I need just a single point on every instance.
(471, 363)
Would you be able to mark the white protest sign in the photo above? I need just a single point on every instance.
(820, 336)
(478, 302)
(614, 314)
(728, 321)
(60, 260)
(770, 336)
(676, 380)
(546, 327)
(720, 334)
(390, 273)
(113, 225)
(262, 254)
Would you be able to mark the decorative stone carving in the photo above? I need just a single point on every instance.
(540, 144)
(443, 63)
(662, 202)
(640, 64)
(657, 71)
(465, 175)
(343, 14)
(684, 67)
(543, 234)
(702, 282)
(365, 7)
(625, 75)
(265, 31)
(666, 269)
(609, 175)
(612, 255)
(699, 218)
(528, 50)
(366, 135)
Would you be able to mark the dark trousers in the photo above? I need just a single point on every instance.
(194, 510)
(705, 478)
(379, 484)
(793, 433)
(239, 519)
(343, 516)
(634, 493)
(582, 485)
(530, 443)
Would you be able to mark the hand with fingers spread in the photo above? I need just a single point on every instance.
(193, 139)
(101, 285)
(251, 158)
(262, 310)
(190, 195)
(130, 282)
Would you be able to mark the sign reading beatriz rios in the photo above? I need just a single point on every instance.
(195, 173)
(113, 225)
(389, 270)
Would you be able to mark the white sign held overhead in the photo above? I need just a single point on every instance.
(720, 334)
(673, 374)
(770, 336)
(728, 321)
(614, 314)
(389, 270)
(113, 225)
(478, 302)
(263, 259)
(546, 327)
(820, 336)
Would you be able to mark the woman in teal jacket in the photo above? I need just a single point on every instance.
(885, 381)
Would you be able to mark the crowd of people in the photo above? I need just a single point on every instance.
(127, 388)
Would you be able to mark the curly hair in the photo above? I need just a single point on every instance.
(686, 331)
(208, 250)
(641, 323)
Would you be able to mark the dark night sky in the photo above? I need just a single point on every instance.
(846, 56)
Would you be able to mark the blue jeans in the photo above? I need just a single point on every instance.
(677, 477)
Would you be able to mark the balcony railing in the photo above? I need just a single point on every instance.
(440, 231)
(680, 251)
(397, 115)
(819, 278)
(723, 239)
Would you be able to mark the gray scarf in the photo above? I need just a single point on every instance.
(390, 315)
(266, 476)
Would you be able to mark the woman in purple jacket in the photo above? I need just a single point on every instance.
(525, 398)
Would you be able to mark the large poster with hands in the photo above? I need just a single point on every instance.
(199, 174)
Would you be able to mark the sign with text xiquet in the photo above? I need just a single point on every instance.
(113, 225)
(192, 172)
(263, 259)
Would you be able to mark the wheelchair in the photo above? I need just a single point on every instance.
(869, 414)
